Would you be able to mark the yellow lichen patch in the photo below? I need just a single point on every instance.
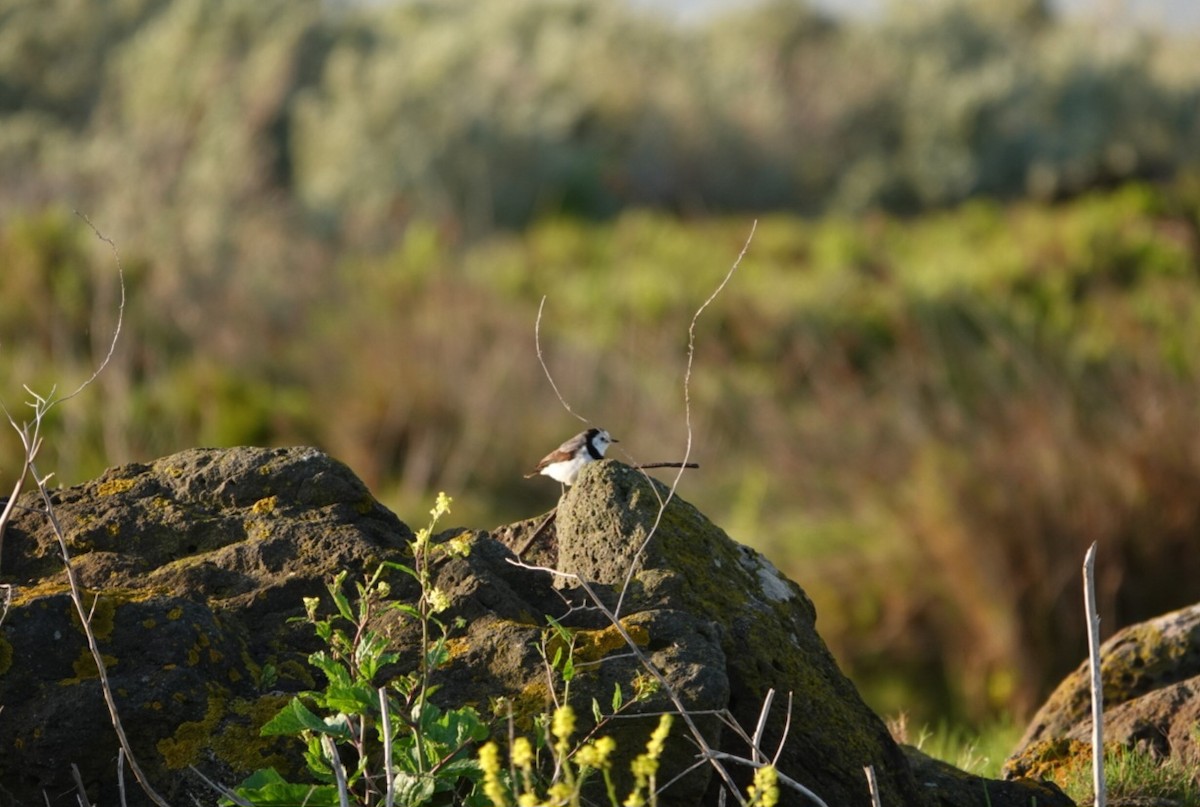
(293, 670)
(85, 667)
(532, 701)
(175, 613)
(149, 623)
(182, 748)
(264, 506)
(6, 655)
(103, 611)
(593, 645)
(230, 729)
(457, 646)
(47, 588)
(113, 529)
(114, 486)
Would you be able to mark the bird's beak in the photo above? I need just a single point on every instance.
(613, 440)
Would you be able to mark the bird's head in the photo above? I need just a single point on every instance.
(600, 440)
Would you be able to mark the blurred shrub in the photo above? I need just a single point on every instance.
(924, 421)
(350, 121)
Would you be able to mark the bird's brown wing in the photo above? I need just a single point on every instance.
(561, 454)
(557, 455)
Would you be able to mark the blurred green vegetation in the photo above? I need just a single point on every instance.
(923, 421)
(973, 355)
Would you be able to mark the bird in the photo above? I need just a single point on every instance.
(565, 462)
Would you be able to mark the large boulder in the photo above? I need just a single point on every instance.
(1151, 679)
(196, 564)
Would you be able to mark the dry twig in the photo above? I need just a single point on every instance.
(30, 434)
(1093, 633)
(707, 754)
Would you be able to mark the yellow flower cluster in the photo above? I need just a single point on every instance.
(764, 792)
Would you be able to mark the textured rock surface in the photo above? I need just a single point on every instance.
(197, 561)
(766, 628)
(1151, 678)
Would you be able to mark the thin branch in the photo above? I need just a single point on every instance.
(1093, 633)
(121, 775)
(82, 795)
(112, 345)
(31, 440)
(385, 719)
(339, 773)
(93, 645)
(687, 417)
(537, 340)
(5, 603)
(708, 754)
(784, 780)
(762, 725)
(681, 709)
(224, 791)
(520, 548)
(8, 508)
(787, 727)
(872, 786)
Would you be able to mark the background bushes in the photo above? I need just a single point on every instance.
(971, 357)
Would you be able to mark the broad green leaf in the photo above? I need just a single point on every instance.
(405, 608)
(283, 794)
(413, 790)
(401, 567)
(618, 698)
(293, 719)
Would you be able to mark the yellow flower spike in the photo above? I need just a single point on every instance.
(522, 752)
(489, 763)
(764, 792)
(596, 754)
(560, 793)
(658, 738)
(563, 724)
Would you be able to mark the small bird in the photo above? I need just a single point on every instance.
(565, 462)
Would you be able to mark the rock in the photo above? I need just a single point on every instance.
(947, 786)
(1151, 678)
(198, 559)
(197, 562)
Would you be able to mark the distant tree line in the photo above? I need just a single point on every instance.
(350, 120)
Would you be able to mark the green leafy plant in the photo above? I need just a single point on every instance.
(377, 744)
